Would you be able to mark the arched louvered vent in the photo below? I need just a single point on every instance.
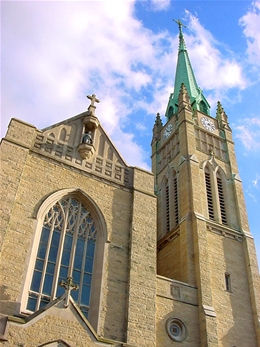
(167, 207)
(221, 200)
(176, 205)
(209, 194)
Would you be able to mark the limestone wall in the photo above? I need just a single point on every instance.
(28, 179)
(176, 300)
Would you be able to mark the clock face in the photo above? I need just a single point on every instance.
(167, 131)
(208, 124)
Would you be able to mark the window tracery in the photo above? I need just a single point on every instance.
(66, 249)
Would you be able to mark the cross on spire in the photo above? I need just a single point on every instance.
(180, 24)
(68, 285)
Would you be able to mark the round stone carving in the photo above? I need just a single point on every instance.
(176, 329)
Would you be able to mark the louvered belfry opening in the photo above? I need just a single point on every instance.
(221, 200)
(167, 200)
(209, 195)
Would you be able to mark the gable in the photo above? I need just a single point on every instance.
(55, 326)
(61, 142)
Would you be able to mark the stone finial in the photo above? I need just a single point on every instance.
(184, 99)
(157, 127)
(222, 117)
(158, 121)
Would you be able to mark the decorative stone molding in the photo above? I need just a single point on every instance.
(85, 150)
(91, 121)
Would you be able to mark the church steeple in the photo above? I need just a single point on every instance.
(184, 74)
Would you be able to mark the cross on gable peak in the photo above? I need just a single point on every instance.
(93, 99)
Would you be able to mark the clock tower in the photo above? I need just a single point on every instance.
(202, 229)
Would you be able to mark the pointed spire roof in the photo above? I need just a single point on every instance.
(184, 74)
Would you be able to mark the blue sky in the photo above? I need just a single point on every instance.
(55, 53)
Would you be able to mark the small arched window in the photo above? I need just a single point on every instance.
(170, 112)
(66, 249)
(227, 282)
(203, 107)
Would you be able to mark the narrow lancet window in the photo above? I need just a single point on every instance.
(227, 282)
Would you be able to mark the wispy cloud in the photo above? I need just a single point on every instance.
(256, 180)
(223, 72)
(248, 132)
(251, 23)
(159, 5)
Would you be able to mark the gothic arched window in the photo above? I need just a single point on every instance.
(66, 249)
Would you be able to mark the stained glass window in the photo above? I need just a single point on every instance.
(66, 249)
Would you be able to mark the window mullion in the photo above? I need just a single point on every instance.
(74, 243)
(45, 265)
(83, 269)
(59, 255)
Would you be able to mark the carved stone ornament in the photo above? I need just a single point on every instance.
(91, 121)
(85, 150)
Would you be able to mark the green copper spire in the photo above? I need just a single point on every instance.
(184, 74)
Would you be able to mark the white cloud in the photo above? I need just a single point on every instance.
(256, 181)
(159, 5)
(213, 70)
(251, 23)
(249, 133)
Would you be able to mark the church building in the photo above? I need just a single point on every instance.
(95, 252)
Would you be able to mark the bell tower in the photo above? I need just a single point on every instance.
(202, 227)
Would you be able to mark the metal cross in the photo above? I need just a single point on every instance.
(93, 99)
(180, 24)
(68, 285)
